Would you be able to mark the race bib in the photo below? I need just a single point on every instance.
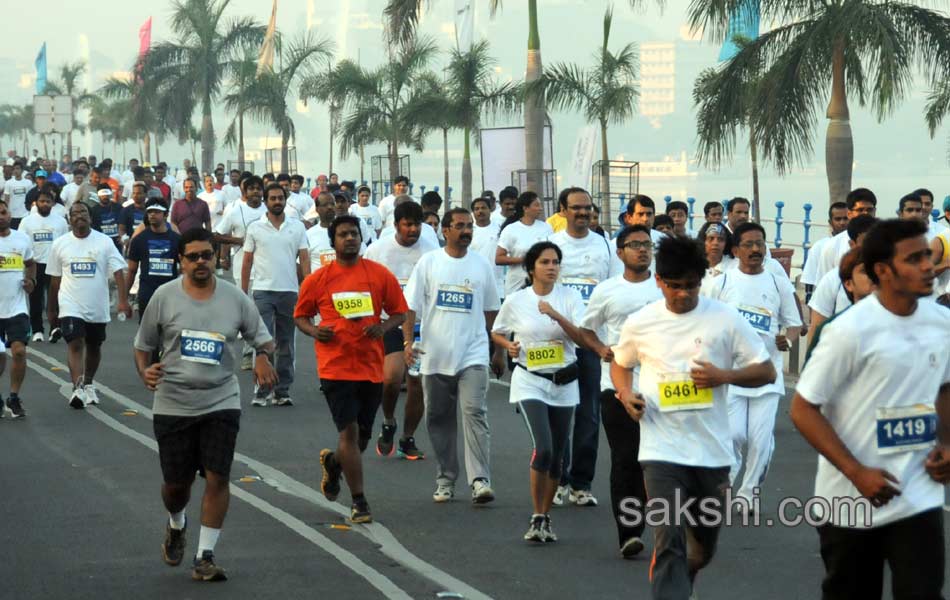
(161, 267)
(110, 229)
(353, 305)
(42, 236)
(82, 267)
(402, 283)
(545, 355)
(906, 428)
(202, 346)
(759, 318)
(454, 298)
(583, 285)
(327, 257)
(678, 392)
(11, 261)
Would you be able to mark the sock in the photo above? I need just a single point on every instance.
(207, 539)
(389, 421)
(358, 497)
(176, 520)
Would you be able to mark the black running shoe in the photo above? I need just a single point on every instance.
(330, 482)
(206, 570)
(15, 406)
(55, 335)
(359, 511)
(408, 450)
(384, 443)
(173, 548)
(535, 531)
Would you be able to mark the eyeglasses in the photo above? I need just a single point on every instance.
(195, 256)
(637, 245)
(752, 244)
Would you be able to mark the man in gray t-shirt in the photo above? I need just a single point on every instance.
(195, 321)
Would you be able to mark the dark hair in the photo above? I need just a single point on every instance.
(680, 258)
(429, 213)
(562, 197)
(881, 241)
(677, 205)
(644, 201)
(138, 172)
(408, 210)
(283, 177)
(709, 206)
(860, 224)
(343, 220)
(849, 261)
(238, 171)
(47, 191)
(333, 187)
(400, 179)
(630, 230)
(836, 206)
(860, 195)
(487, 202)
(275, 186)
(524, 201)
(507, 192)
(364, 188)
(737, 200)
(745, 227)
(251, 180)
(534, 252)
(298, 178)
(268, 175)
(924, 192)
(724, 231)
(431, 199)
(912, 197)
(447, 217)
(195, 234)
(662, 220)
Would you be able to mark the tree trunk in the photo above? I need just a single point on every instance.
(445, 166)
(207, 138)
(606, 217)
(69, 142)
(332, 132)
(467, 171)
(839, 145)
(756, 207)
(147, 147)
(46, 147)
(394, 157)
(284, 152)
(534, 108)
(158, 143)
(240, 155)
(362, 164)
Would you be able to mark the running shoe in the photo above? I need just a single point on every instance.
(359, 511)
(282, 401)
(561, 495)
(631, 547)
(39, 337)
(91, 396)
(247, 361)
(482, 492)
(173, 548)
(78, 398)
(330, 483)
(384, 443)
(15, 406)
(443, 493)
(259, 401)
(55, 334)
(546, 532)
(206, 570)
(582, 498)
(408, 450)
(534, 533)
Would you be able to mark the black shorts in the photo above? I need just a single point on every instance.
(75, 328)
(392, 341)
(196, 444)
(353, 401)
(15, 329)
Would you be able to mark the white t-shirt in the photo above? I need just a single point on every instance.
(370, 216)
(520, 315)
(585, 261)
(320, 248)
(425, 233)
(42, 231)
(870, 359)
(301, 203)
(611, 303)
(832, 252)
(399, 259)
(216, 205)
(386, 209)
(85, 265)
(231, 193)
(767, 302)
(235, 223)
(517, 238)
(829, 297)
(450, 296)
(665, 345)
(16, 190)
(616, 265)
(57, 210)
(68, 195)
(485, 242)
(810, 270)
(15, 249)
(275, 253)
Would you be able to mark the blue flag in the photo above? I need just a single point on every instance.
(743, 22)
(41, 71)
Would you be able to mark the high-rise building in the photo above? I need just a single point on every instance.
(657, 78)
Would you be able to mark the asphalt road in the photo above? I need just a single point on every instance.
(84, 518)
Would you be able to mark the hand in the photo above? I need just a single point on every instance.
(606, 354)
(875, 485)
(374, 332)
(781, 342)
(324, 333)
(633, 403)
(545, 308)
(707, 375)
(938, 464)
(514, 349)
(412, 353)
(498, 365)
(264, 373)
(29, 285)
(224, 263)
(125, 308)
(152, 376)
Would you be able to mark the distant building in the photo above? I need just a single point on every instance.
(657, 78)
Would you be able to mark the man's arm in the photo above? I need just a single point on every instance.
(707, 375)
(123, 292)
(52, 299)
(303, 266)
(29, 275)
(593, 342)
(246, 271)
(133, 269)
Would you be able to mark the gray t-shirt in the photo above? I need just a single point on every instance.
(197, 338)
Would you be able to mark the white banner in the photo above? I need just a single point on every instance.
(502, 151)
(582, 157)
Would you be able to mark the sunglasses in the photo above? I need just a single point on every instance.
(195, 256)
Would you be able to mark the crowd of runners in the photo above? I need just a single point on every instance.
(670, 338)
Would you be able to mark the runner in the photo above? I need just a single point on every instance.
(400, 253)
(485, 238)
(80, 264)
(611, 303)
(453, 291)
(712, 212)
(520, 231)
(830, 298)
(155, 249)
(194, 322)
(940, 247)
(544, 384)
(717, 243)
(663, 224)
(318, 240)
(737, 213)
(132, 215)
(106, 214)
(17, 281)
(689, 349)
(837, 222)
(679, 212)
(642, 211)
(14, 195)
(507, 201)
(387, 204)
(857, 285)
(860, 201)
(275, 249)
(349, 295)
(767, 302)
(302, 203)
(367, 212)
(42, 228)
(874, 401)
(911, 207)
(213, 198)
(934, 228)
(190, 211)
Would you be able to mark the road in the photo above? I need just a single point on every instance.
(84, 518)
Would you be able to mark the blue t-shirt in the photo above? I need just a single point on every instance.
(157, 255)
(132, 217)
(105, 219)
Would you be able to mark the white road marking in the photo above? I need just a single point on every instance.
(378, 533)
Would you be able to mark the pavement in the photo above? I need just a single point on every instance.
(84, 518)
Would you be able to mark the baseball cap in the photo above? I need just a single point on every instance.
(154, 193)
(946, 204)
(155, 204)
(104, 193)
(40, 173)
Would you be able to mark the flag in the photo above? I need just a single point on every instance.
(743, 22)
(145, 38)
(41, 71)
(265, 60)
(582, 157)
(464, 24)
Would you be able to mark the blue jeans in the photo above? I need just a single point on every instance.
(580, 458)
(277, 311)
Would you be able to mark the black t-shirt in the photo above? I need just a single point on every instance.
(132, 217)
(105, 219)
(157, 255)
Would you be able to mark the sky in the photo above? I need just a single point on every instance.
(891, 157)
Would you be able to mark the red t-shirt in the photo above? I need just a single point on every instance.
(336, 290)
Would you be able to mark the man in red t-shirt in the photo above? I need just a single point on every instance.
(349, 294)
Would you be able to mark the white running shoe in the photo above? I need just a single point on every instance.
(39, 337)
(258, 401)
(631, 547)
(443, 493)
(583, 498)
(561, 495)
(482, 492)
(91, 396)
(78, 398)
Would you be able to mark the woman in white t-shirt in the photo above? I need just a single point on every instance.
(542, 318)
(521, 230)
(718, 245)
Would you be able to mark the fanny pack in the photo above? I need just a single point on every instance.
(562, 376)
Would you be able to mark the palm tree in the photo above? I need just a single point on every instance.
(863, 48)
(17, 122)
(142, 106)
(243, 75)
(606, 93)
(189, 73)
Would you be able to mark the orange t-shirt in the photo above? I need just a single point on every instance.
(361, 292)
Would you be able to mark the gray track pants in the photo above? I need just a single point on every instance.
(443, 395)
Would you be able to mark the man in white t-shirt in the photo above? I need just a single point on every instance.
(387, 204)
(934, 228)
(609, 306)
(42, 228)
(232, 190)
(14, 195)
(68, 193)
(80, 264)
(400, 253)
(214, 199)
(689, 348)
(453, 291)
(485, 238)
(17, 280)
(860, 201)
(874, 401)
(830, 297)
(301, 203)
(837, 222)
(767, 302)
(368, 213)
(275, 249)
